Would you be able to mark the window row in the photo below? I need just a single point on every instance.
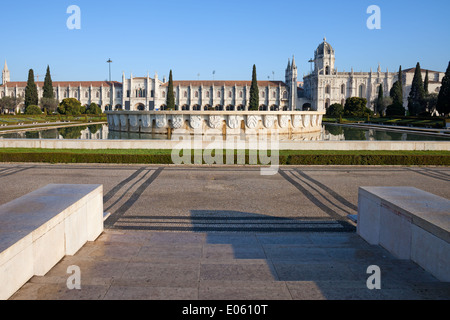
(230, 94)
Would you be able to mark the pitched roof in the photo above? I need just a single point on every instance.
(412, 70)
(219, 83)
(66, 84)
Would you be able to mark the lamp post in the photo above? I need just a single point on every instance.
(110, 83)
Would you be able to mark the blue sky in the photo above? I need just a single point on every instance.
(194, 37)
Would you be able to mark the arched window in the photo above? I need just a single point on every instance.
(285, 95)
(241, 94)
(163, 94)
(207, 94)
(86, 94)
(65, 94)
(230, 94)
(328, 89)
(327, 104)
(218, 94)
(263, 94)
(196, 94)
(76, 94)
(327, 70)
(274, 94)
(343, 89)
(185, 94)
(361, 91)
(97, 94)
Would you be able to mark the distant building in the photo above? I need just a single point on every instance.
(326, 86)
(321, 88)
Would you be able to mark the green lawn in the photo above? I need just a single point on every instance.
(26, 119)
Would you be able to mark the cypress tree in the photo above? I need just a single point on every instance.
(48, 85)
(170, 102)
(425, 83)
(416, 99)
(31, 94)
(380, 99)
(254, 92)
(396, 92)
(443, 102)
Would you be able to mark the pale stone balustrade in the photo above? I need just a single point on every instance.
(229, 122)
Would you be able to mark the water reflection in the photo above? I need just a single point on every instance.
(328, 133)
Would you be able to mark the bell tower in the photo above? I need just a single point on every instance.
(291, 83)
(324, 59)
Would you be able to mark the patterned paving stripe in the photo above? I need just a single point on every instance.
(232, 225)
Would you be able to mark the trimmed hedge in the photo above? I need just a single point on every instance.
(329, 159)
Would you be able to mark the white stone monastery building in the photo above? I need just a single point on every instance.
(319, 89)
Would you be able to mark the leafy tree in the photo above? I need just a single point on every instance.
(48, 85)
(49, 104)
(431, 102)
(416, 99)
(31, 94)
(70, 106)
(335, 110)
(9, 103)
(33, 110)
(170, 101)
(254, 92)
(356, 107)
(443, 101)
(93, 109)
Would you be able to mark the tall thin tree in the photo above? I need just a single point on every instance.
(379, 104)
(254, 92)
(48, 85)
(416, 99)
(170, 101)
(425, 83)
(443, 102)
(31, 93)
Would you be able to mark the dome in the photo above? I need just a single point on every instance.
(324, 48)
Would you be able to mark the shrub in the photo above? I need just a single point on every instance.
(335, 110)
(395, 110)
(356, 107)
(33, 110)
(70, 106)
(93, 109)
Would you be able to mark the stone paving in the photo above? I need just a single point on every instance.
(189, 233)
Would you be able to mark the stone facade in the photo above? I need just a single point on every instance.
(320, 89)
(325, 86)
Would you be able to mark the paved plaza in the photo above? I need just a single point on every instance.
(178, 232)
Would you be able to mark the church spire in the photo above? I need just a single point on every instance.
(5, 74)
(293, 62)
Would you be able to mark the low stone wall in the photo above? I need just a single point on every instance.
(229, 122)
(171, 144)
(410, 223)
(40, 228)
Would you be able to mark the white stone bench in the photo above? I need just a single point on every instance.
(409, 223)
(40, 228)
